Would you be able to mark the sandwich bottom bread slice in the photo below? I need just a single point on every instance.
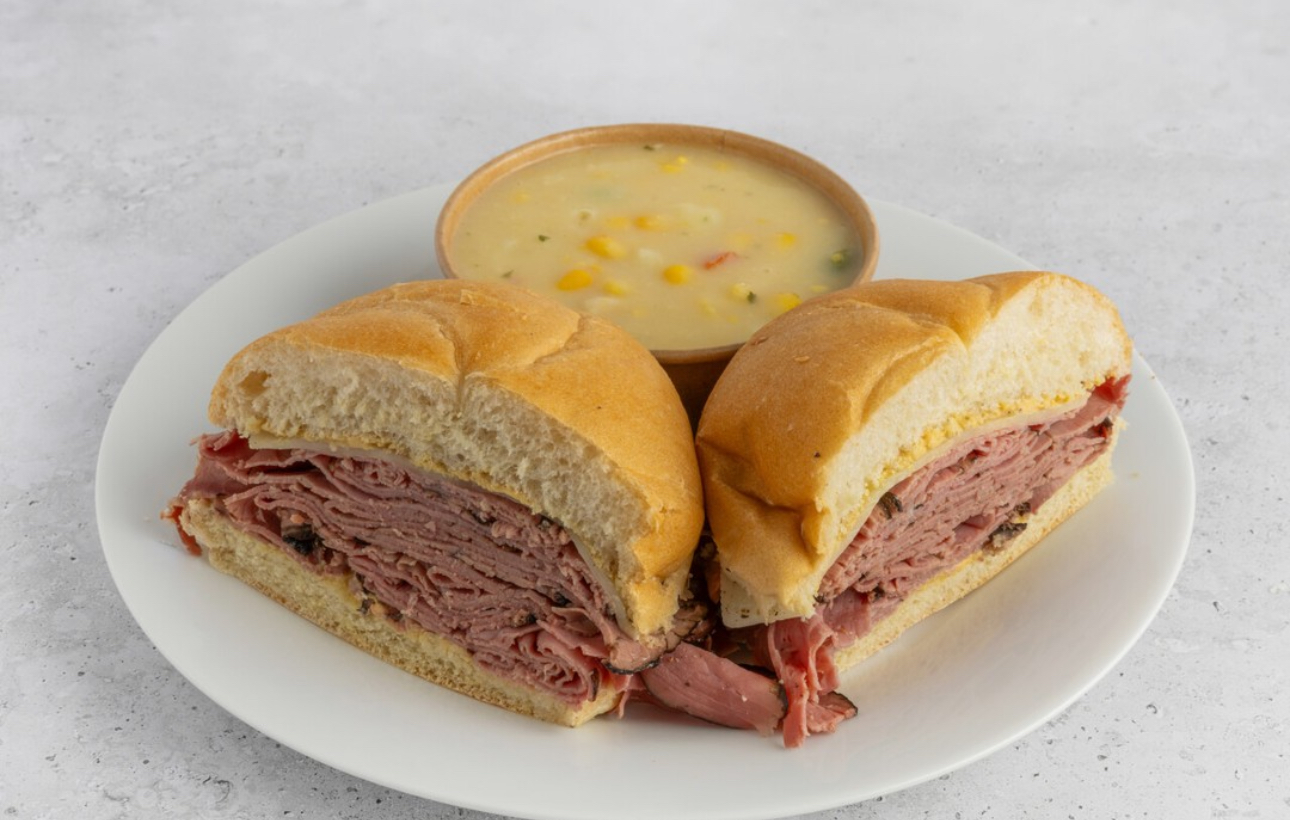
(878, 453)
(468, 481)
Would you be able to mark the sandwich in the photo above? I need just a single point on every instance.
(468, 481)
(878, 453)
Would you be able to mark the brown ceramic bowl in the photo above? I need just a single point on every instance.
(695, 371)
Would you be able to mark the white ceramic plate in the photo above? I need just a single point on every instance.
(964, 683)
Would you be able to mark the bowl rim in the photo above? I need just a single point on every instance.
(788, 160)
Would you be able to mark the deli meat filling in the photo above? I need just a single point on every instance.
(482, 570)
(976, 496)
(510, 587)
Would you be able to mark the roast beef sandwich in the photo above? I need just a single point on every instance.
(466, 480)
(878, 453)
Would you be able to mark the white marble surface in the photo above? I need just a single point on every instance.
(147, 148)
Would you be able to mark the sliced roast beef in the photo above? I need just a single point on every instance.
(510, 586)
(506, 584)
(715, 689)
(822, 716)
(976, 496)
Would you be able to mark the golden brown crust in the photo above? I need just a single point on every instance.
(828, 404)
(506, 389)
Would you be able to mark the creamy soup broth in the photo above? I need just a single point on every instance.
(685, 247)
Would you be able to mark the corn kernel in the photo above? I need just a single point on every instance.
(785, 302)
(707, 308)
(678, 274)
(785, 240)
(616, 222)
(649, 222)
(606, 246)
(675, 165)
(614, 287)
(575, 279)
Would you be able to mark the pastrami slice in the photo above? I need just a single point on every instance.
(977, 496)
(716, 689)
(506, 584)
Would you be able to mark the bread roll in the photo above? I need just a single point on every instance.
(479, 386)
(829, 406)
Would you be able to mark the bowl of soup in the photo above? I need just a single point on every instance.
(688, 237)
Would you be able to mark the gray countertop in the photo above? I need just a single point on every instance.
(148, 148)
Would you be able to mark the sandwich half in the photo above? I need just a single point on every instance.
(878, 453)
(466, 480)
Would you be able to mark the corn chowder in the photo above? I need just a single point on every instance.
(685, 247)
